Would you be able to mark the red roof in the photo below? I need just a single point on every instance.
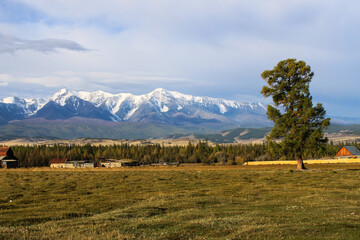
(58, 160)
(4, 150)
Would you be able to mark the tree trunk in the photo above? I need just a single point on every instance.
(300, 164)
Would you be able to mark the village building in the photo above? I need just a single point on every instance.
(81, 164)
(349, 152)
(58, 162)
(7, 158)
(111, 163)
(65, 163)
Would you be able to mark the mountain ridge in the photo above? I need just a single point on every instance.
(159, 106)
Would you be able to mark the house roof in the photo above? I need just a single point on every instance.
(4, 150)
(58, 160)
(353, 150)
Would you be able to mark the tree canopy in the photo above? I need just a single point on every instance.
(298, 125)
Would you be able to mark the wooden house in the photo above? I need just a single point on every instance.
(348, 151)
(7, 158)
(58, 162)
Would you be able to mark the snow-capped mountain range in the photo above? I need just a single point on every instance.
(159, 106)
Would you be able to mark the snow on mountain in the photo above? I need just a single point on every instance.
(160, 99)
(9, 100)
(27, 106)
(159, 105)
(33, 105)
(62, 96)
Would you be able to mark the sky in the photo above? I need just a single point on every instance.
(215, 48)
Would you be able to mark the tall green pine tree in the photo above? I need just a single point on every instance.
(298, 125)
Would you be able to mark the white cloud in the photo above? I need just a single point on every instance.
(5, 77)
(92, 80)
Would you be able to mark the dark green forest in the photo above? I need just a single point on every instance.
(202, 152)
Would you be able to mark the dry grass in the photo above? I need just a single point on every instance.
(98, 142)
(186, 202)
(335, 137)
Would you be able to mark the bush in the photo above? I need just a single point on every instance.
(146, 159)
(262, 158)
(231, 162)
(209, 160)
(220, 157)
(239, 160)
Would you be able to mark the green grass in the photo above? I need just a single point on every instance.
(181, 203)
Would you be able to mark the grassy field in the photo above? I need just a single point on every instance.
(186, 202)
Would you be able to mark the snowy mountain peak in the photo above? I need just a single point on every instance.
(160, 95)
(12, 100)
(159, 90)
(62, 92)
(158, 106)
(62, 96)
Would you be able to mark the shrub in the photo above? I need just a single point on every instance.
(262, 158)
(231, 162)
(220, 157)
(239, 160)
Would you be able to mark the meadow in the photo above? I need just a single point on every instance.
(185, 202)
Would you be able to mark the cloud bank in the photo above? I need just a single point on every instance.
(13, 44)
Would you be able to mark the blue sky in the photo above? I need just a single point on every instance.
(216, 48)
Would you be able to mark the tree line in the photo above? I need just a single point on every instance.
(202, 152)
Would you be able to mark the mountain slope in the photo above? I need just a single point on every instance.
(85, 128)
(73, 107)
(235, 135)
